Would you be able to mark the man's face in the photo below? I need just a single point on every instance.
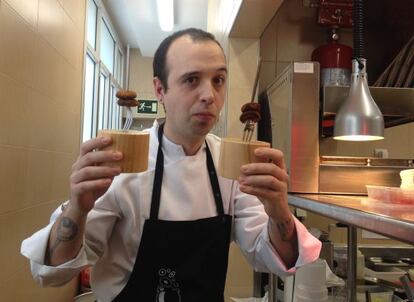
(196, 80)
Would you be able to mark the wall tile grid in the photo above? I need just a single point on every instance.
(41, 70)
(242, 64)
(243, 54)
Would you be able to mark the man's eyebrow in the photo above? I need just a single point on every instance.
(194, 73)
(223, 69)
(188, 74)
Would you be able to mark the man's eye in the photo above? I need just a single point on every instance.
(219, 80)
(190, 80)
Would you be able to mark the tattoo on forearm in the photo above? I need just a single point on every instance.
(67, 230)
(286, 228)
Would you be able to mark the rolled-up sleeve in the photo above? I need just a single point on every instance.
(251, 234)
(35, 248)
(98, 229)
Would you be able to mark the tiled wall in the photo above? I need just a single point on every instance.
(243, 57)
(41, 68)
(140, 77)
(140, 80)
(242, 63)
(292, 35)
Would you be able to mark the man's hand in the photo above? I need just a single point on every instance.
(268, 180)
(90, 178)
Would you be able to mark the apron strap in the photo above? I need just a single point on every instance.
(159, 171)
(214, 182)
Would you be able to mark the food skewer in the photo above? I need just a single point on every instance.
(251, 111)
(127, 98)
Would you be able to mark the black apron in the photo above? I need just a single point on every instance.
(180, 261)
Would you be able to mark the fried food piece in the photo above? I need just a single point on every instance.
(126, 94)
(128, 102)
(251, 107)
(250, 111)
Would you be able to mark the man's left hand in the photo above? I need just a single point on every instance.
(268, 180)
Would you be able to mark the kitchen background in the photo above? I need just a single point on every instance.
(42, 51)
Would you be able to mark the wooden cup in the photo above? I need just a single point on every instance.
(235, 153)
(134, 146)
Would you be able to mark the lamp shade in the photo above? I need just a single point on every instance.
(359, 118)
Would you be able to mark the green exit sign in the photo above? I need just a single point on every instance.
(148, 106)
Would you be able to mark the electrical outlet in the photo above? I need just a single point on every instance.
(381, 153)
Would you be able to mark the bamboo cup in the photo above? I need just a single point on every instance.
(235, 153)
(134, 146)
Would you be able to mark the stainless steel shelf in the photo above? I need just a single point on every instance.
(392, 221)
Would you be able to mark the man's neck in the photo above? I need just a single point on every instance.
(191, 149)
(190, 145)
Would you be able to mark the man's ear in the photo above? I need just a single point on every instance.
(158, 89)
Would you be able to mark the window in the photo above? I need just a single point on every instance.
(88, 98)
(104, 67)
(102, 104)
(107, 47)
(119, 65)
(91, 25)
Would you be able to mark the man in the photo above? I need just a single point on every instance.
(164, 234)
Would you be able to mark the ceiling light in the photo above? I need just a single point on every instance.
(165, 10)
(359, 118)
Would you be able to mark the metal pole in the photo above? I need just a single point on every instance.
(352, 263)
(127, 67)
(272, 288)
(257, 284)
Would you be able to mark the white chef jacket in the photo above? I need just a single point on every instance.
(114, 226)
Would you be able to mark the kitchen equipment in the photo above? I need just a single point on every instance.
(302, 124)
(408, 287)
(390, 195)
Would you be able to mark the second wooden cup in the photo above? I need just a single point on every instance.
(134, 146)
(235, 153)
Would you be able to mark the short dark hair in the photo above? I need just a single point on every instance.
(159, 64)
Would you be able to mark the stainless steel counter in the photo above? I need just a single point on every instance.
(394, 221)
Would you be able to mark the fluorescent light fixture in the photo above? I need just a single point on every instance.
(165, 9)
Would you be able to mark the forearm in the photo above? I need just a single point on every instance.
(283, 236)
(66, 237)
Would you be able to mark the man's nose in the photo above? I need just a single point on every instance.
(207, 93)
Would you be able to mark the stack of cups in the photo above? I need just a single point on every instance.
(310, 283)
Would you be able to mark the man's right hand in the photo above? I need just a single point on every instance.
(90, 179)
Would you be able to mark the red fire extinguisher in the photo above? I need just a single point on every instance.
(335, 61)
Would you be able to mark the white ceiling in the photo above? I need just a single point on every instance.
(137, 23)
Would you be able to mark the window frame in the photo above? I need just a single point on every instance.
(114, 81)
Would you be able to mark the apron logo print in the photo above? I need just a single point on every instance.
(168, 290)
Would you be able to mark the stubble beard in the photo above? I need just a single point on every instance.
(202, 128)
